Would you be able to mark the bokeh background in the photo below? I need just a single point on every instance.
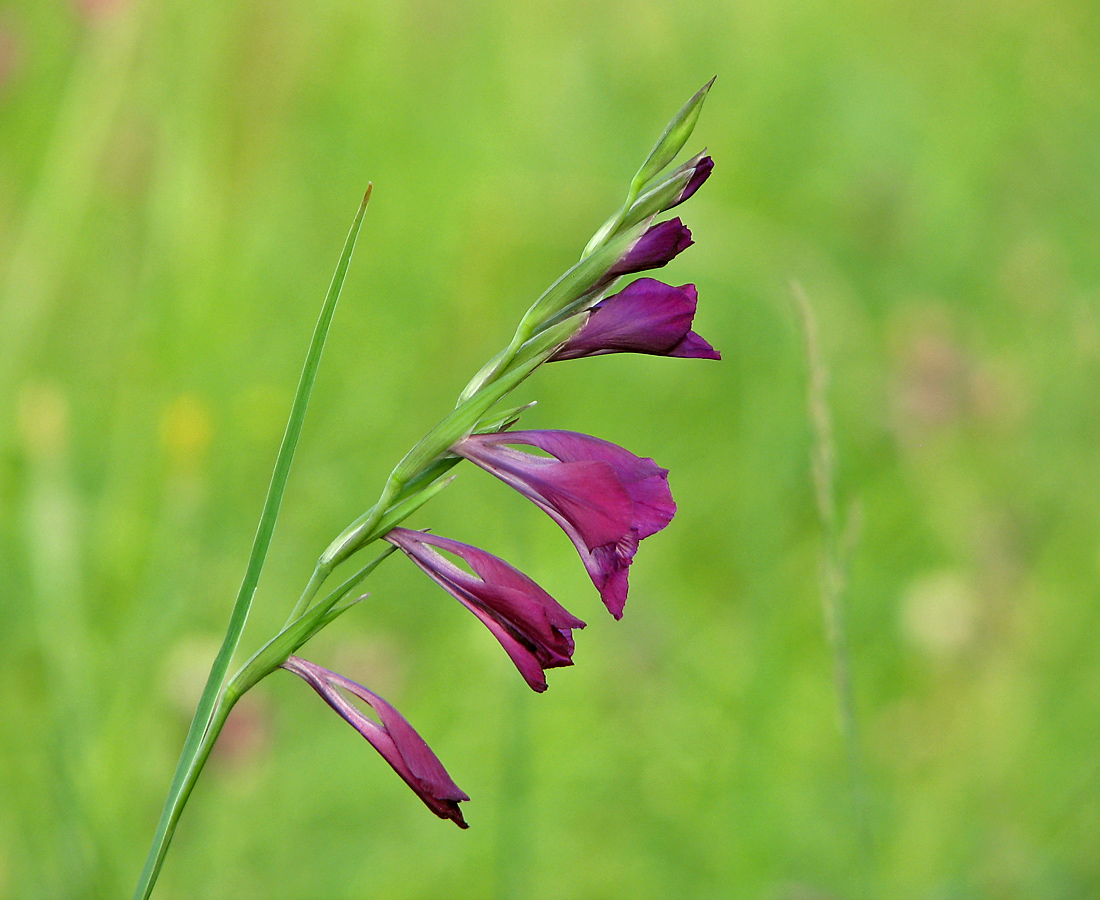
(176, 179)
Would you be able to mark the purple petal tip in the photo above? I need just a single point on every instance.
(647, 316)
(658, 246)
(702, 172)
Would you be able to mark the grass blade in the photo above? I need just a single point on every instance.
(210, 714)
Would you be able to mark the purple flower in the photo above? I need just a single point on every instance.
(647, 316)
(655, 248)
(534, 629)
(700, 173)
(395, 738)
(604, 497)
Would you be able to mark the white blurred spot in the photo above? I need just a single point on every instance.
(939, 613)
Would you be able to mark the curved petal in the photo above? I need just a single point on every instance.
(395, 739)
(532, 627)
(647, 316)
(620, 500)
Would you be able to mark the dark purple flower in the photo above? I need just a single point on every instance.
(533, 628)
(647, 316)
(701, 173)
(395, 738)
(604, 497)
(655, 248)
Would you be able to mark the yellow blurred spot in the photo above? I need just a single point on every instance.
(185, 431)
(42, 413)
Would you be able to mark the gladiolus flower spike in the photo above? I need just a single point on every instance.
(395, 739)
(605, 498)
(533, 628)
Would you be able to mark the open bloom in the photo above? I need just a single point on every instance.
(647, 316)
(534, 629)
(658, 246)
(605, 498)
(395, 738)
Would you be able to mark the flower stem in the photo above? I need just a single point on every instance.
(320, 573)
(214, 705)
(184, 782)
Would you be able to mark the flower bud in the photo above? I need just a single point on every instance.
(672, 140)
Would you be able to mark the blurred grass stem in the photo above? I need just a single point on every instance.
(833, 574)
(216, 703)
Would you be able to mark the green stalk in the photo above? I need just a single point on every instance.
(215, 703)
(425, 455)
(373, 527)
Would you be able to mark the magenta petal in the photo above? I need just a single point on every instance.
(532, 627)
(644, 481)
(647, 316)
(612, 563)
(658, 246)
(395, 739)
(701, 173)
(587, 493)
(694, 347)
(586, 513)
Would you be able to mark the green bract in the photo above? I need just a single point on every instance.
(670, 143)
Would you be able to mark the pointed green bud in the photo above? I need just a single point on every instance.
(664, 151)
(436, 470)
(657, 199)
(414, 492)
(399, 512)
(272, 654)
(582, 278)
(672, 140)
(547, 341)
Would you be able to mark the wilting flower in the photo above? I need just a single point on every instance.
(534, 629)
(395, 738)
(658, 246)
(647, 316)
(604, 497)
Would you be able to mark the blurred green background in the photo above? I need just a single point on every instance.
(176, 179)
